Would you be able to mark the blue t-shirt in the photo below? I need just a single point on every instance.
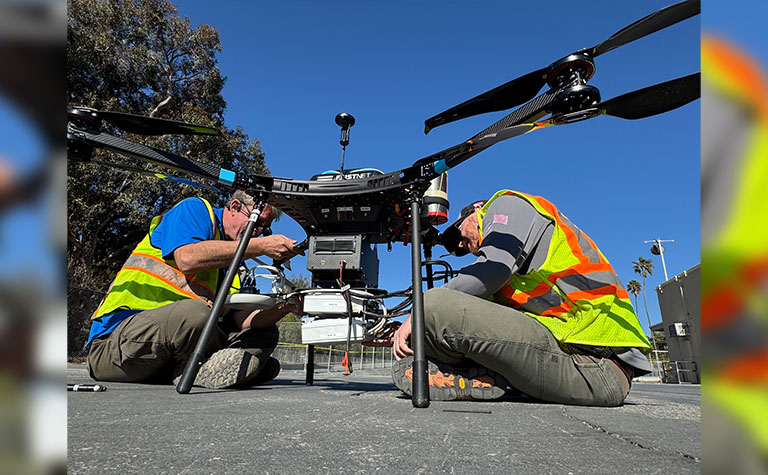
(186, 223)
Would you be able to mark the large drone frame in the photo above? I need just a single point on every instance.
(568, 100)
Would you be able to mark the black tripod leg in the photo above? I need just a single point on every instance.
(420, 396)
(196, 359)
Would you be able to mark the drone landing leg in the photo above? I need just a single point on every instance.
(196, 359)
(310, 370)
(428, 258)
(420, 391)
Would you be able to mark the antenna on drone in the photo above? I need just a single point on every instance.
(345, 121)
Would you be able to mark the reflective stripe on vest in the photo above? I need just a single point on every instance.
(575, 293)
(148, 281)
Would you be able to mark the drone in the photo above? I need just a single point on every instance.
(346, 213)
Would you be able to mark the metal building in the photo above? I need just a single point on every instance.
(680, 303)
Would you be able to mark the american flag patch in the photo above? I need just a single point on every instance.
(500, 218)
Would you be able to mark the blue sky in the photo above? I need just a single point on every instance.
(743, 23)
(292, 66)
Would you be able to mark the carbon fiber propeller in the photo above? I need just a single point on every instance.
(646, 102)
(525, 88)
(652, 100)
(143, 125)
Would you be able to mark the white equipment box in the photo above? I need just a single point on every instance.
(245, 301)
(330, 303)
(331, 330)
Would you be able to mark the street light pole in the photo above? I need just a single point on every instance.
(658, 249)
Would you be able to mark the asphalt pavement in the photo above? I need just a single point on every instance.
(362, 424)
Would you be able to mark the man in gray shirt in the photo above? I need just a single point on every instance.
(541, 309)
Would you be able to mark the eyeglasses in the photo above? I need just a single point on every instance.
(259, 230)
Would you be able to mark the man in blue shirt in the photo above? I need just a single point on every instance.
(152, 317)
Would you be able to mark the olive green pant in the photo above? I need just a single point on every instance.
(460, 327)
(153, 345)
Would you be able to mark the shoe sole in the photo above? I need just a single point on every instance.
(227, 368)
(448, 384)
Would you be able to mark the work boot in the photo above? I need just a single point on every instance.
(227, 368)
(270, 372)
(447, 383)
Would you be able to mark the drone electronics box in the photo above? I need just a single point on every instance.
(331, 303)
(331, 330)
(360, 262)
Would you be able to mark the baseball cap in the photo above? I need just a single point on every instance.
(451, 237)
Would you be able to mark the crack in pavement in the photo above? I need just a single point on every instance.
(626, 439)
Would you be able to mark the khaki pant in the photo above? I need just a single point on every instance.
(460, 327)
(149, 346)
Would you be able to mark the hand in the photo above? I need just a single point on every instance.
(277, 246)
(295, 305)
(400, 346)
(385, 337)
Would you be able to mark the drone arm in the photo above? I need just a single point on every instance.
(432, 166)
(520, 121)
(166, 159)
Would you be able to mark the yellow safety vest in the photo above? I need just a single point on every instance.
(576, 293)
(148, 281)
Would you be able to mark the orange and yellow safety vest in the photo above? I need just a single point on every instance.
(575, 293)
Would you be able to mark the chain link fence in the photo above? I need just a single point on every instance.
(292, 354)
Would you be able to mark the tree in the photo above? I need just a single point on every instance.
(140, 57)
(644, 267)
(634, 287)
(301, 281)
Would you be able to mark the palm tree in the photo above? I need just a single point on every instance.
(644, 267)
(634, 287)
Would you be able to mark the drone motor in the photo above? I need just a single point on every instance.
(575, 67)
(79, 149)
(574, 100)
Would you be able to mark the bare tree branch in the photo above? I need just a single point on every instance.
(156, 111)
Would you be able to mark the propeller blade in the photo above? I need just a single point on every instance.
(506, 96)
(654, 99)
(143, 125)
(525, 88)
(160, 176)
(654, 22)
